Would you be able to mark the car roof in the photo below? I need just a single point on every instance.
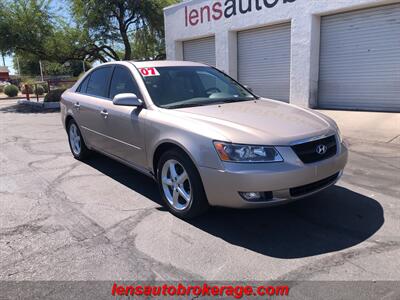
(152, 63)
(166, 63)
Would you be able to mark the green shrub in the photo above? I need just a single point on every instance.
(39, 90)
(54, 95)
(11, 90)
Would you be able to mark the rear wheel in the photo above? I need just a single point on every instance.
(76, 142)
(180, 185)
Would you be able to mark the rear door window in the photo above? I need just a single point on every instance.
(83, 86)
(99, 82)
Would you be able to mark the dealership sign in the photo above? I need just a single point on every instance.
(226, 9)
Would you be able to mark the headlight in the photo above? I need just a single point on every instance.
(246, 153)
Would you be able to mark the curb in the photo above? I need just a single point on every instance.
(13, 98)
(44, 105)
(32, 96)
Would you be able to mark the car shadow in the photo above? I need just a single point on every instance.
(127, 176)
(332, 220)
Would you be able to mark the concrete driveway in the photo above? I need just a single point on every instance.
(61, 219)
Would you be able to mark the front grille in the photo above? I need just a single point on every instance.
(309, 188)
(307, 152)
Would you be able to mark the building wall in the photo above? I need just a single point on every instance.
(304, 15)
(4, 73)
(4, 76)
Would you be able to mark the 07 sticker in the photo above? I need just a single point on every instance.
(149, 72)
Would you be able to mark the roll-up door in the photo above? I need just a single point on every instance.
(264, 61)
(360, 60)
(200, 50)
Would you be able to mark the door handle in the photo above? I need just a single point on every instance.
(104, 113)
(77, 105)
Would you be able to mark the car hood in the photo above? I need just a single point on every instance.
(263, 121)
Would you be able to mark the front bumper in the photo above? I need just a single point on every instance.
(222, 187)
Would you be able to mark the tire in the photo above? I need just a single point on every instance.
(169, 187)
(74, 133)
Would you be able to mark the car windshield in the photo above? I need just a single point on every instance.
(185, 86)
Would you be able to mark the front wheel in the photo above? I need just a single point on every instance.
(180, 185)
(76, 142)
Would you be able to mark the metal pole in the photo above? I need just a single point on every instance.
(41, 69)
(83, 65)
(19, 69)
(37, 95)
(27, 92)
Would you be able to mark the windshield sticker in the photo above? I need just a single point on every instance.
(149, 72)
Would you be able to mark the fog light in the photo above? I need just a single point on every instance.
(251, 196)
(256, 196)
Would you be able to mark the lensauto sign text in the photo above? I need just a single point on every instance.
(220, 9)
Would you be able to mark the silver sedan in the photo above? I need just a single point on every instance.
(205, 139)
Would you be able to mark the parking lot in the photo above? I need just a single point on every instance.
(61, 219)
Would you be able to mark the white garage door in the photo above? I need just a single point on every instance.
(360, 60)
(200, 50)
(264, 61)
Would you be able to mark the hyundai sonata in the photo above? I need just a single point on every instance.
(206, 139)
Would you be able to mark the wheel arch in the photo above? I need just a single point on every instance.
(68, 118)
(165, 146)
(168, 145)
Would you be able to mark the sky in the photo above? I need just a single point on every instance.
(9, 64)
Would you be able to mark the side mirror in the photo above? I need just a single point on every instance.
(248, 88)
(127, 99)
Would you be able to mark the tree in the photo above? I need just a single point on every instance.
(112, 24)
(147, 45)
(29, 66)
(25, 26)
(100, 30)
(30, 28)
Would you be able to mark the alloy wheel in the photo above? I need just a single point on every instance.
(176, 185)
(75, 139)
